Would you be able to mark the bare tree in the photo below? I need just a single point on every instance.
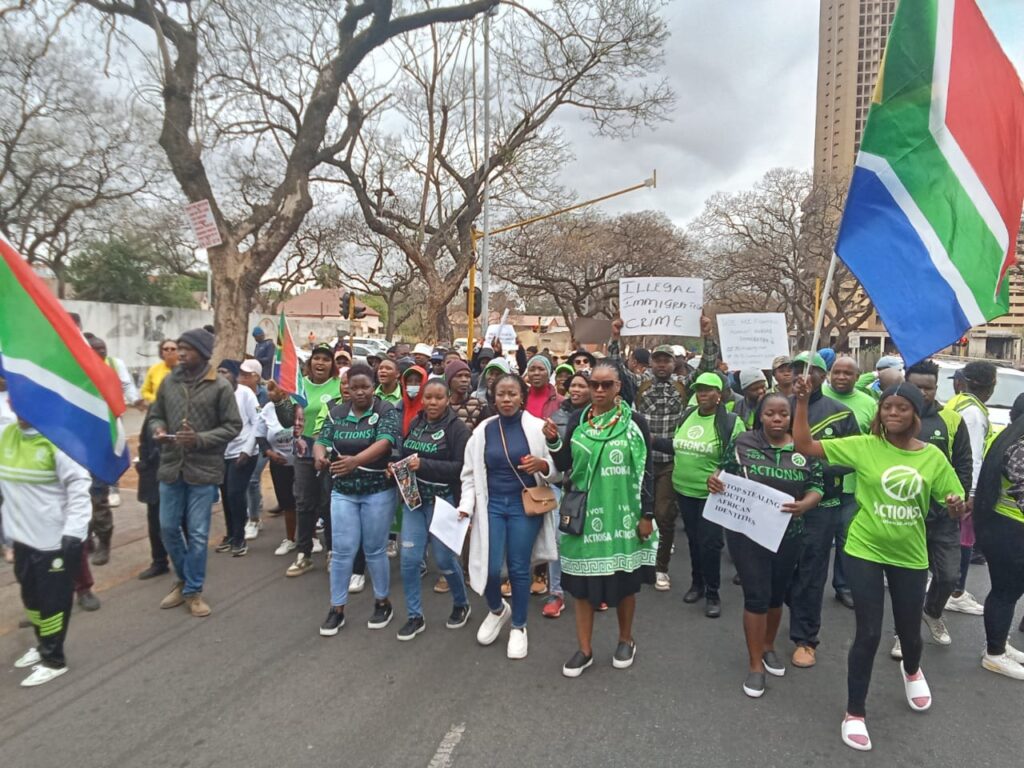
(248, 94)
(576, 261)
(418, 175)
(765, 249)
(66, 168)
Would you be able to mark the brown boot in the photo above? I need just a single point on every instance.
(175, 598)
(102, 552)
(198, 606)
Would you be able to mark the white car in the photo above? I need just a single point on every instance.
(1009, 384)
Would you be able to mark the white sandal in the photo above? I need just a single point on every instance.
(856, 727)
(916, 689)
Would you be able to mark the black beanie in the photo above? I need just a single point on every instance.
(200, 340)
(231, 365)
(908, 392)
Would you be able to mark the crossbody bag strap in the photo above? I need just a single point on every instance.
(508, 458)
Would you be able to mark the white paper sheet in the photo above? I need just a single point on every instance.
(447, 527)
(750, 508)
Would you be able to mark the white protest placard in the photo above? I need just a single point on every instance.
(446, 525)
(204, 226)
(661, 306)
(751, 340)
(750, 508)
(506, 334)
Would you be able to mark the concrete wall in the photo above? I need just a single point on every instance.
(133, 332)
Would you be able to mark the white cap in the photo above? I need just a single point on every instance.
(252, 366)
(423, 349)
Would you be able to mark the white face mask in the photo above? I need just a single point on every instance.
(412, 390)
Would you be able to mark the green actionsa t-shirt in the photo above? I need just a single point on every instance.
(698, 453)
(317, 398)
(894, 491)
(864, 407)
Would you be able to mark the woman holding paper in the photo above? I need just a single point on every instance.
(354, 447)
(766, 455)
(435, 446)
(506, 454)
(897, 478)
(605, 451)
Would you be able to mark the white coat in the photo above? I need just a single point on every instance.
(474, 498)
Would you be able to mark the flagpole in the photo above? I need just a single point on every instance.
(820, 320)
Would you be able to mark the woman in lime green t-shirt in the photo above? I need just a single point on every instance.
(897, 478)
(698, 445)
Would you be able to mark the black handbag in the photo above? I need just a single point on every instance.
(572, 513)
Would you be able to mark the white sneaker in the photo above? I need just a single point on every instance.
(253, 528)
(518, 643)
(897, 650)
(938, 629)
(491, 626)
(286, 546)
(42, 674)
(662, 582)
(1003, 665)
(301, 565)
(30, 658)
(357, 583)
(114, 500)
(965, 604)
(317, 546)
(1014, 654)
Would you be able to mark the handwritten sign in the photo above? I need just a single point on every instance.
(204, 226)
(750, 508)
(661, 306)
(751, 340)
(506, 334)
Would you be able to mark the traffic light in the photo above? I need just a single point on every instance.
(345, 304)
(478, 300)
(358, 312)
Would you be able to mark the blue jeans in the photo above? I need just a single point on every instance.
(415, 528)
(181, 503)
(360, 518)
(511, 533)
(255, 492)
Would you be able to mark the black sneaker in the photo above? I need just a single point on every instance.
(153, 571)
(335, 620)
(241, 551)
(459, 617)
(224, 546)
(624, 655)
(694, 593)
(412, 627)
(574, 667)
(753, 686)
(382, 615)
(772, 664)
(713, 607)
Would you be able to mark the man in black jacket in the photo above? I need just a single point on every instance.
(828, 419)
(943, 428)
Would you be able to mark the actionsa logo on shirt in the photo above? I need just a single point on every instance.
(696, 432)
(902, 483)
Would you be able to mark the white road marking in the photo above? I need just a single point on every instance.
(443, 757)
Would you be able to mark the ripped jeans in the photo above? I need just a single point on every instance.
(415, 528)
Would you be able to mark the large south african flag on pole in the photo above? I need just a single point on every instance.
(57, 383)
(287, 367)
(934, 207)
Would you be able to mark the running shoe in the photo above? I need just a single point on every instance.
(357, 583)
(938, 629)
(382, 615)
(301, 565)
(414, 626)
(965, 603)
(662, 582)
(553, 607)
(335, 621)
(459, 616)
(286, 546)
(1003, 665)
(224, 546)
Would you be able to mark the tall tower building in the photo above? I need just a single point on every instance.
(851, 40)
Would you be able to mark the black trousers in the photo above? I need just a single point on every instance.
(47, 592)
(906, 589)
(705, 540)
(312, 500)
(234, 497)
(283, 478)
(808, 590)
(1002, 541)
(156, 543)
(943, 560)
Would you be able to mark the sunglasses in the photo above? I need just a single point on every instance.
(602, 384)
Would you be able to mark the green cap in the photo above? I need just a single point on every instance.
(664, 349)
(709, 379)
(817, 361)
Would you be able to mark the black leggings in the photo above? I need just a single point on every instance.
(906, 590)
(764, 575)
(1002, 541)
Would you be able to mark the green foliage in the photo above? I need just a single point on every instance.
(376, 303)
(128, 272)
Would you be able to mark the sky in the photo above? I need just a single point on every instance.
(744, 73)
